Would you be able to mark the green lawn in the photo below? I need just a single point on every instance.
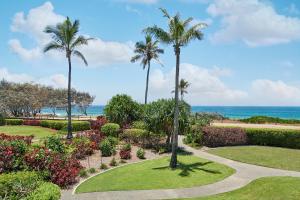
(274, 157)
(38, 132)
(156, 174)
(270, 188)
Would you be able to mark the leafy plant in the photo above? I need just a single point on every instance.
(2, 120)
(111, 129)
(103, 166)
(55, 143)
(107, 148)
(45, 191)
(140, 153)
(92, 170)
(83, 173)
(139, 125)
(113, 162)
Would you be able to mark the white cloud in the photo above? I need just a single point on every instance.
(98, 52)
(219, 72)
(254, 22)
(56, 80)
(206, 87)
(139, 1)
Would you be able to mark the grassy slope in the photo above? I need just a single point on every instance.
(271, 188)
(274, 157)
(38, 132)
(155, 174)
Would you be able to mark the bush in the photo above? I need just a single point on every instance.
(94, 136)
(159, 117)
(26, 139)
(107, 148)
(80, 126)
(121, 109)
(98, 123)
(194, 136)
(113, 162)
(265, 119)
(2, 120)
(141, 137)
(113, 140)
(274, 137)
(125, 152)
(14, 122)
(38, 159)
(81, 147)
(32, 122)
(103, 166)
(12, 155)
(110, 129)
(55, 143)
(92, 170)
(139, 125)
(15, 186)
(140, 153)
(126, 147)
(46, 191)
(219, 136)
(62, 125)
(83, 173)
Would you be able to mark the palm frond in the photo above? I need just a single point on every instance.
(80, 40)
(165, 12)
(79, 54)
(53, 46)
(136, 58)
(159, 33)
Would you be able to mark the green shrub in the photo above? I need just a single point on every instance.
(113, 162)
(92, 170)
(14, 122)
(80, 126)
(266, 119)
(103, 166)
(107, 149)
(194, 136)
(46, 191)
(2, 120)
(140, 153)
(126, 147)
(55, 143)
(113, 140)
(274, 137)
(62, 125)
(121, 109)
(139, 125)
(15, 186)
(83, 173)
(110, 129)
(135, 135)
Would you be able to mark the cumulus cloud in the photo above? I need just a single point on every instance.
(206, 86)
(56, 80)
(98, 52)
(254, 22)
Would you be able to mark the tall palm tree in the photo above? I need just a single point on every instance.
(179, 34)
(146, 51)
(65, 39)
(182, 87)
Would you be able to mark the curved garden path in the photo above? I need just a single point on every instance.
(245, 173)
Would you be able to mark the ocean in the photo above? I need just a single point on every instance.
(233, 112)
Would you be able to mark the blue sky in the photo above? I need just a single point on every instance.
(249, 55)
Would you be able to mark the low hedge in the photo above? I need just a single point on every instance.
(14, 122)
(110, 129)
(46, 191)
(274, 137)
(219, 136)
(62, 124)
(266, 119)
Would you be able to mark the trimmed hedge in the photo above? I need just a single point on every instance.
(274, 137)
(110, 129)
(266, 119)
(14, 122)
(219, 136)
(46, 191)
(60, 125)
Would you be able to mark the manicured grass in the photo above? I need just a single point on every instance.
(38, 132)
(156, 174)
(270, 188)
(274, 157)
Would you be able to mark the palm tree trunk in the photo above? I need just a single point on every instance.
(147, 82)
(69, 136)
(173, 162)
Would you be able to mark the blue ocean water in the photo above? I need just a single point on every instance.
(234, 112)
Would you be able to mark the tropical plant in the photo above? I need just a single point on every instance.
(180, 33)
(182, 87)
(65, 39)
(146, 51)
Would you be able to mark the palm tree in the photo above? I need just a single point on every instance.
(182, 87)
(146, 51)
(65, 39)
(179, 34)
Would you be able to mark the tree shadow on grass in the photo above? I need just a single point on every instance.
(187, 169)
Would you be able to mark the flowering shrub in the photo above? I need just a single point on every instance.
(38, 159)
(98, 123)
(32, 122)
(26, 139)
(64, 171)
(11, 155)
(125, 152)
(95, 137)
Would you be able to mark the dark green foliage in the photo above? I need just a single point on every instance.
(62, 125)
(139, 125)
(83, 173)
(274, 137)
(46, 191)
(55, 143)
(2, 120)
(15, 186)
(110, 129)
(121, 109)
(194, 136)
(92, 170)
(103, 166)
(107, 148)
(140, 153)
(159, 116)
(14, 122)
(266, 119)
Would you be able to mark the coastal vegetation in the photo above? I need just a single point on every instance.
(266, 119)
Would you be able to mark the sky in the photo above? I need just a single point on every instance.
(249, 54)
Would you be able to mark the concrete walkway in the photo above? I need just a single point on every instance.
(245, 173)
